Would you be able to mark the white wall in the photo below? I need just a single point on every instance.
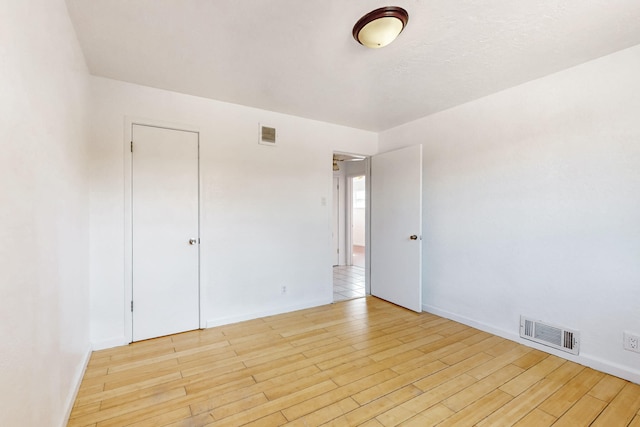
(532, 206)
(264, 224)
(44, 221)
(358, 220)
(355, 168)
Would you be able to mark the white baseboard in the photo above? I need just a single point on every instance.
(109, 343)
(611, 368)
(77, 380)
(608, 367)
(255, 315)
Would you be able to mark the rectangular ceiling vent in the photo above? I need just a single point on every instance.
(267, 135)
(554, 336)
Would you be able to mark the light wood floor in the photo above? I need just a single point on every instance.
(358, 362)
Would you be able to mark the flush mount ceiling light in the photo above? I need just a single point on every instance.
(380, 27)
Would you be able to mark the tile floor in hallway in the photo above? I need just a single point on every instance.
(348, 282)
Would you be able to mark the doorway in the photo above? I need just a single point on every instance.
(350, 215)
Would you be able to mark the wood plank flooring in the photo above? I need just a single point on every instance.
(362, 362)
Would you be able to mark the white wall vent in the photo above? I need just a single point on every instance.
(267, 135)
(554, 336)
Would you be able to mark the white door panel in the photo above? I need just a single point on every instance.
(165, 217)
(396, 215)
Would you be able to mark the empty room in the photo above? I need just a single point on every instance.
(178, 188)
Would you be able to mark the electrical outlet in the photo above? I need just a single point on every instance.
(283, 290)
(631, 341)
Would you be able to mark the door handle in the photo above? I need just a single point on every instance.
(192, 241)
(413, 237)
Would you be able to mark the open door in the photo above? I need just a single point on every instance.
(396, 227)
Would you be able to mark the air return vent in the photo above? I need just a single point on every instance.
(267, 135)
(554, 336)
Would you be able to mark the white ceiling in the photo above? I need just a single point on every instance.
(298, 56)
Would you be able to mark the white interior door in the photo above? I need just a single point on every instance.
(396, 227)
(165, 277)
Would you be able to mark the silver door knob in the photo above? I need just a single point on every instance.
(413, 237)
(192, 241)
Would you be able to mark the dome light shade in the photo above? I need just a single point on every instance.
(379, 28)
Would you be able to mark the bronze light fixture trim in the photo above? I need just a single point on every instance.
(380, 27)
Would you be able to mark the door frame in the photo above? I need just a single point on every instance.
(367, 226)
(335, 223)
(341, 216)
(344, 178)
(129, 122)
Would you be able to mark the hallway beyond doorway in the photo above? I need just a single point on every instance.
(348, 282)
(357, 256)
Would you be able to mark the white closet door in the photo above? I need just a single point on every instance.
(165, 232)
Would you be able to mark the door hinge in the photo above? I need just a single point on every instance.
(132, 306)
(132, 146)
